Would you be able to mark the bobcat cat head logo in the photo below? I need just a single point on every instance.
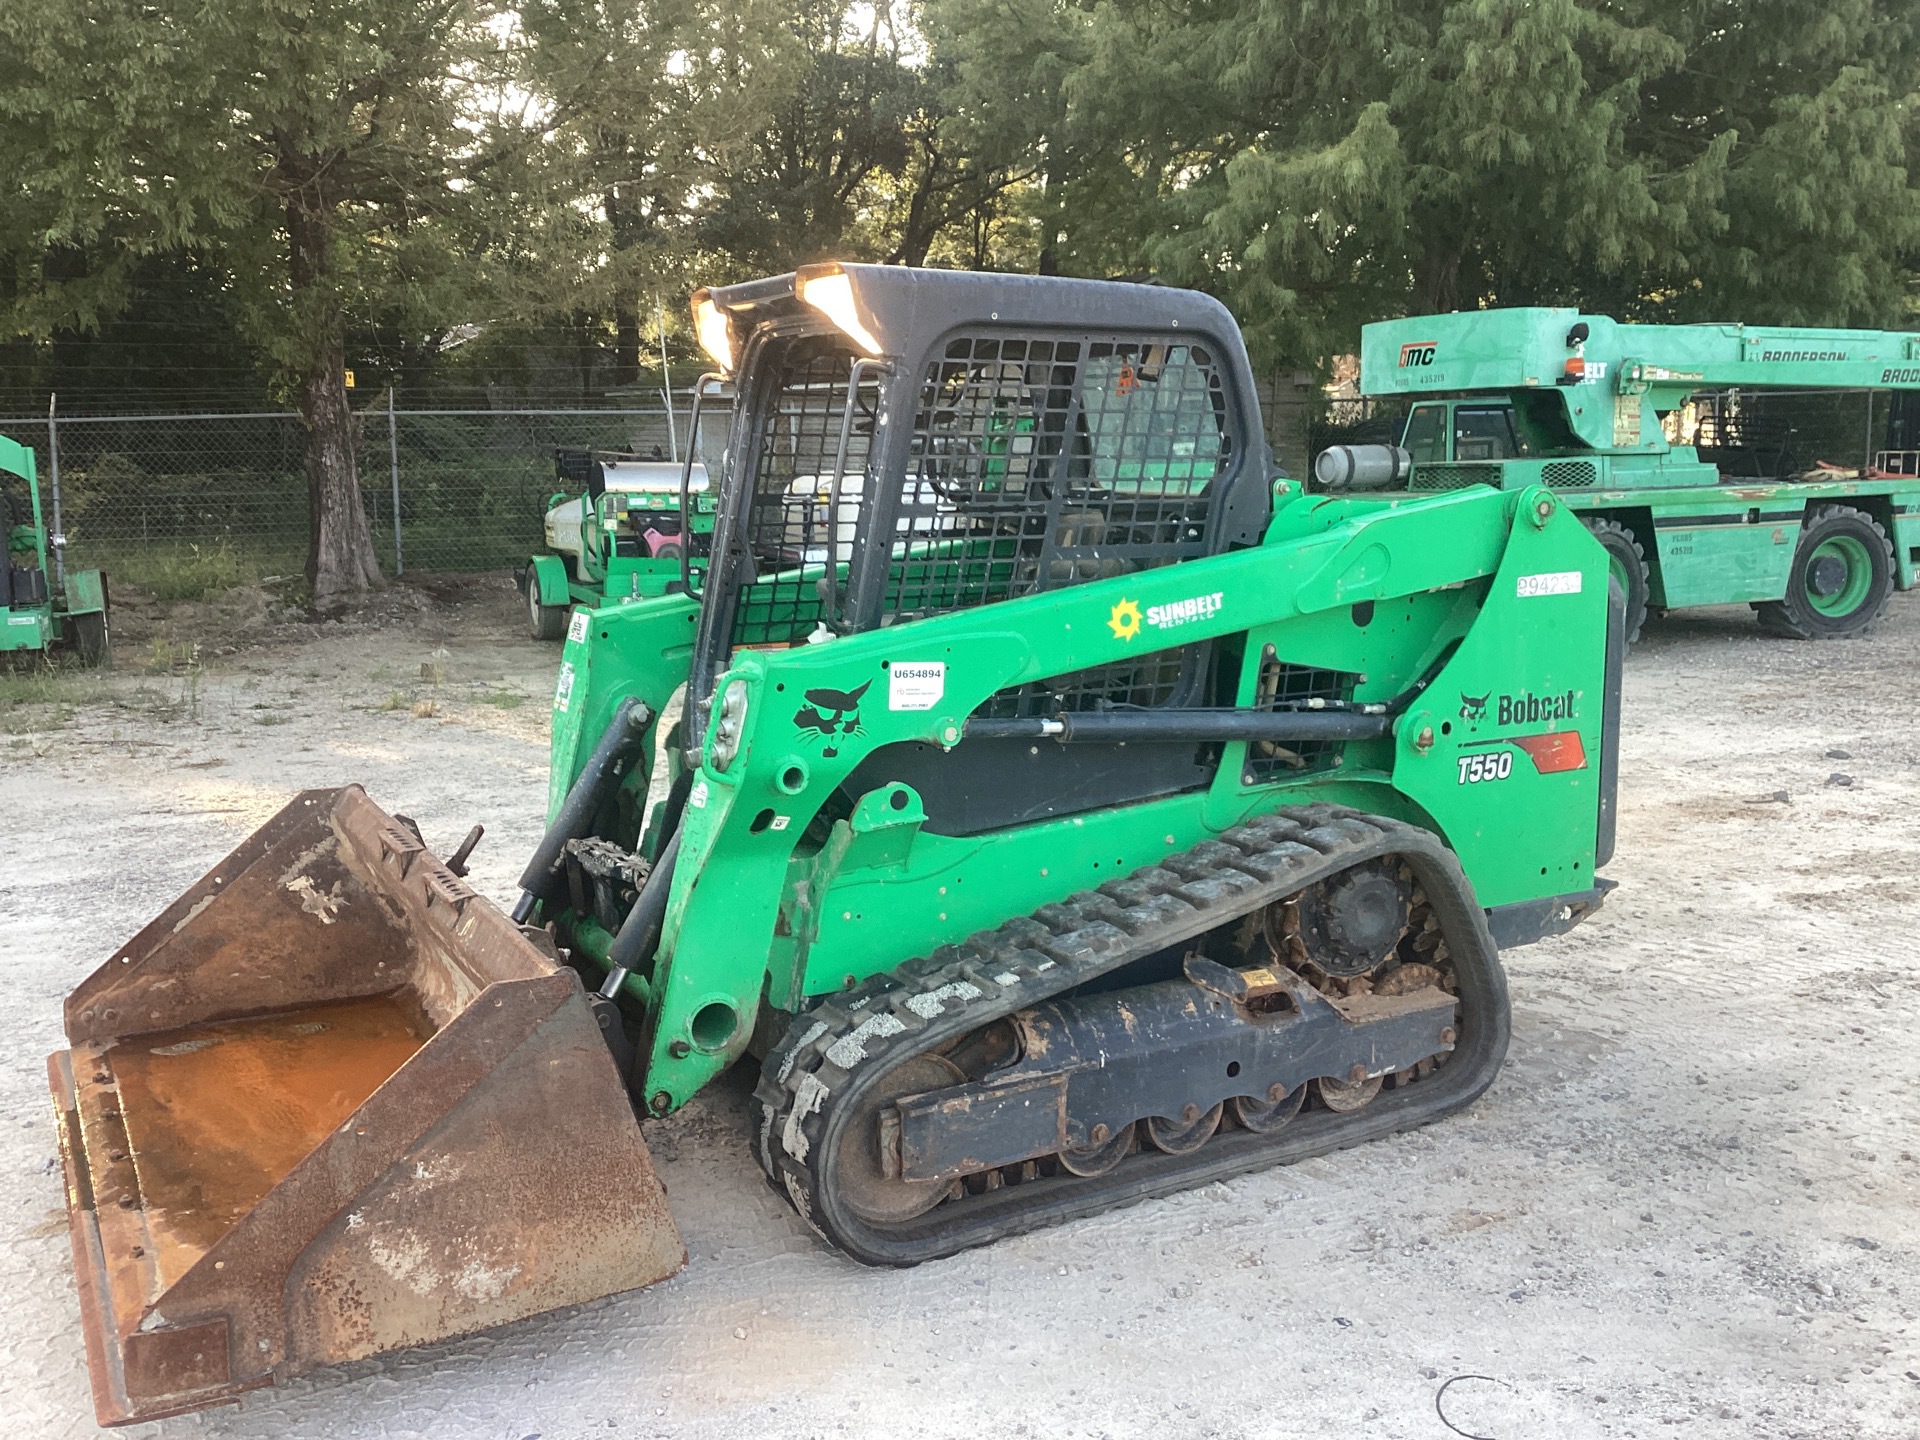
(1474, 707)
(831, 712)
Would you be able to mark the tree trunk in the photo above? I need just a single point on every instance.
(1436, 276)
(1053, 216)
(626, 311)
(626, 342)
(924, 219)
(341, 565)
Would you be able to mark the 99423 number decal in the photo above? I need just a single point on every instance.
(1497, 765)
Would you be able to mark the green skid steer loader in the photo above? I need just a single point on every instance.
(1073, 813)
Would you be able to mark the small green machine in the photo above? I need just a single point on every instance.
(631, 527)
(40, 607)
(1057, 805)
(1657, 436)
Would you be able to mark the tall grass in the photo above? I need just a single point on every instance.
(193, 571)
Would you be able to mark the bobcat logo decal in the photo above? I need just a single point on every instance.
(1472, 707)
(828, 713)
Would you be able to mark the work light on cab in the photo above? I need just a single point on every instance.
(710, 324)
(829, 289)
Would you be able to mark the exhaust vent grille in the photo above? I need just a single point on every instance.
(1453, 477)
(1568, 474)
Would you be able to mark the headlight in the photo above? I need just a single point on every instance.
(829, 289)
(710, 325)
(731, 724)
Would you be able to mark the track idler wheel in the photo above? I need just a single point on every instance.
(1101, 1155)
(1188, 1133)
(871, 1193)
(1346, 1096)
(1263, 1117)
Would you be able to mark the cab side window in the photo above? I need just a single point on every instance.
(1425, 437)
(1484, 434)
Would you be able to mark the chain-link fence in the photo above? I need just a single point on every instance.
(205, 497)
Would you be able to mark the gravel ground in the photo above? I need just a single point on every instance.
(1686, 1206)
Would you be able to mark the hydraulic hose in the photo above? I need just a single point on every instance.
(639, 934)
(617, 746)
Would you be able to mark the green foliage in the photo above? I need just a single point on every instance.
(1319, 164)
(383, 177)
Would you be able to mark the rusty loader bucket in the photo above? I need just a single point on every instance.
(334, 1103)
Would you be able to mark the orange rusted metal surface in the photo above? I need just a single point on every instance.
(332, 1103)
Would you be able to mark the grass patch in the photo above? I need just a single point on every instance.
(502, 699)
(19, 719)
(42, 696)
(191, 573)
(196, 570)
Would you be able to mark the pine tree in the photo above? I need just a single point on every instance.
(1318, 163)
(319, 148)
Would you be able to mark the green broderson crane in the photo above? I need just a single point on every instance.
(1073, 813)
(37, 612)
(1651, 433)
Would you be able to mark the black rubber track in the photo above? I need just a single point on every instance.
(814, 1079)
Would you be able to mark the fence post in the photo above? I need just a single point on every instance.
(666, 384)
(393, 460)
(53, 468)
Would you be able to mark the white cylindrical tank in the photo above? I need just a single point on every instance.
(1362, 467)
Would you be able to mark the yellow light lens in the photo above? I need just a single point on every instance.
(711, 326)
(832, 295)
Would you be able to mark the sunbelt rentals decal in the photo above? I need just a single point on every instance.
(1127, 617)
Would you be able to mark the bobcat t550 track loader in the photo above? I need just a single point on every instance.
(1070, 812)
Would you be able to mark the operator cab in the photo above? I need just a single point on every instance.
(898, 452)
(23, 581)
(1438, 431)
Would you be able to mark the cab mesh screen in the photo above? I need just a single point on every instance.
(794, 530)
(1043, 462)
(1033, 463)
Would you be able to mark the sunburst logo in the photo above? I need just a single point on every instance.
(1125, 620)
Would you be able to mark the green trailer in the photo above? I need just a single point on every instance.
(41, 603)
(1653, 435)
(629, 528)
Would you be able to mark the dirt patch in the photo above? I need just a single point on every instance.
(253, 617)
(1687, 1206)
